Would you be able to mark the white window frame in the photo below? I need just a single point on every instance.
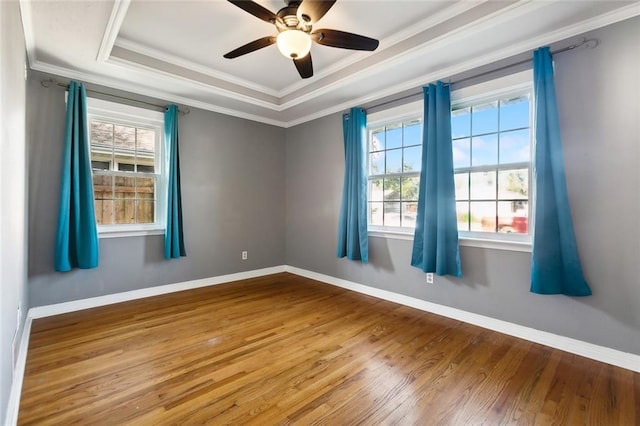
(102, 110)
(514, 84)
(408, 117)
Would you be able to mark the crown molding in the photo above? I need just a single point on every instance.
(509, 12)
(193, 66)
(529, 45)
(464, 31)
(152, 93)
(216, 90)
(435, 19)
(116, 19)
(27, 27)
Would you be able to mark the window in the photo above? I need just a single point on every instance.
(491, 138)
(394, 162)
(126, 153)
(491, 160)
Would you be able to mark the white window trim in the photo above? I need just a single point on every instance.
(140, 117)
(511, 84)
(127, 230)
(466, 241)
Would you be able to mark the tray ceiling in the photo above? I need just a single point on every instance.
(173, 50)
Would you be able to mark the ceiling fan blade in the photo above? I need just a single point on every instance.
(312, 10)
(256, 10)
(304, 66)
(344, 40)
(251, 47)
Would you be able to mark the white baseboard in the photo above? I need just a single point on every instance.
(578, 347)
(589, 350)
(93, 302)
(18, 375)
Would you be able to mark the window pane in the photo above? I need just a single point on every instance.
(145, 169)
(102, 187)
(462, 213)
(483, 185)
(412, 159)
(125, 187)
(513, 184)
(483, 216)
(124, 211)
(146, 187)
(126, 167)
(145, 140)
(100, 165)
(513, 217)
(461, 153)
(461, 123)
(462, 186)
(377, 140)
(394, 136)
(514, 113)
(104, 212)
(409, 214)
(484, 150)
(124, 137)
(392, 190)
(394, 161)
(410, 187)
(391, 214)
(484, 118)
(101, 133)
(376, 163)
(515, 146)
(145, 212)
(412, 133)
(375, 190)
(375, 214)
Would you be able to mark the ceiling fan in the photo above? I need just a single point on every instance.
(294, 23)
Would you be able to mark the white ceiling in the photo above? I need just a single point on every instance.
(173, 50)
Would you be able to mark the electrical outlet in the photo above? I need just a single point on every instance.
(429, 277)
(245, 255)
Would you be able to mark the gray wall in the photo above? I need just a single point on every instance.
(599, 97)
(232, 174)
(13, 239)
(237, 175)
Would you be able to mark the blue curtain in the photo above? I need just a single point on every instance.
(435, 242)
(77, 233)
(173, 235)
(555, 266)
(352, 227)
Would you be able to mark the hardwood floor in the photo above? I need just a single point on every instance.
(287, 350)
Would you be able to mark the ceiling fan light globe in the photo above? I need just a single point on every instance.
(294, 44)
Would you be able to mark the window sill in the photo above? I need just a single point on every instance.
(494, 244)
(393, 235)
(118, 231)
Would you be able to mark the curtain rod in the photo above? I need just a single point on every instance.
(47, 82)
(588, 43)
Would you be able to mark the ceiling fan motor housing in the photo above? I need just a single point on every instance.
(289, 16)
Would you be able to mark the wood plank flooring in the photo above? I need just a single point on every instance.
(287, 350)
